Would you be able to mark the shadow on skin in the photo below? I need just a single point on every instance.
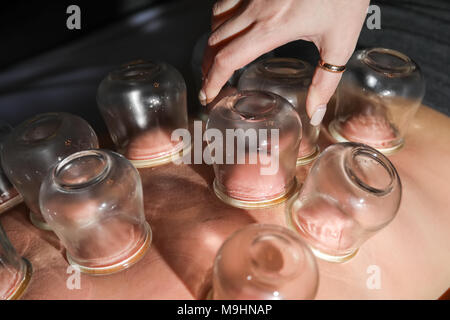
(206, 172)
(189, 223)
(19, 215)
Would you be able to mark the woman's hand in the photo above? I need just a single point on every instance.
(245, 29)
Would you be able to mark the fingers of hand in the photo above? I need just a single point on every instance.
(225, 10)
(229, 28)
(322, 88)
(223, 6)
(234, 55)
(324, 83)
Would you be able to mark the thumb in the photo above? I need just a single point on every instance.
(322, 88)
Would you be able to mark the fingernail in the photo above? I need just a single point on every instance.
(318, 115)
(202, 97)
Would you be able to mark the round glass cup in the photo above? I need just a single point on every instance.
(9, 197)
(93, 201)
(35, 146)
(378, 96)
(142, 103)
(15, 271)
(289, 78)
(351, 192)
(264, 262)
(254, 138)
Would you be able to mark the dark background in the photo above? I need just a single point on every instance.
(46, 67)
(29, 28)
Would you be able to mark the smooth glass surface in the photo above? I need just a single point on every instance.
(290, 78)
(36, 145)
(351, 192)
(377, 99)
(264, 262)
(142, 103)
(261, 133)
(15, 271)
(93, 201)
(9, 196)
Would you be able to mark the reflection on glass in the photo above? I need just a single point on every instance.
(93, 202)
(377, 99)
(35, 146)
(351, 192)
(142, 103)
(260, 134)
(264, 262)
(9, 197)
(15, 272)
(290, 78)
